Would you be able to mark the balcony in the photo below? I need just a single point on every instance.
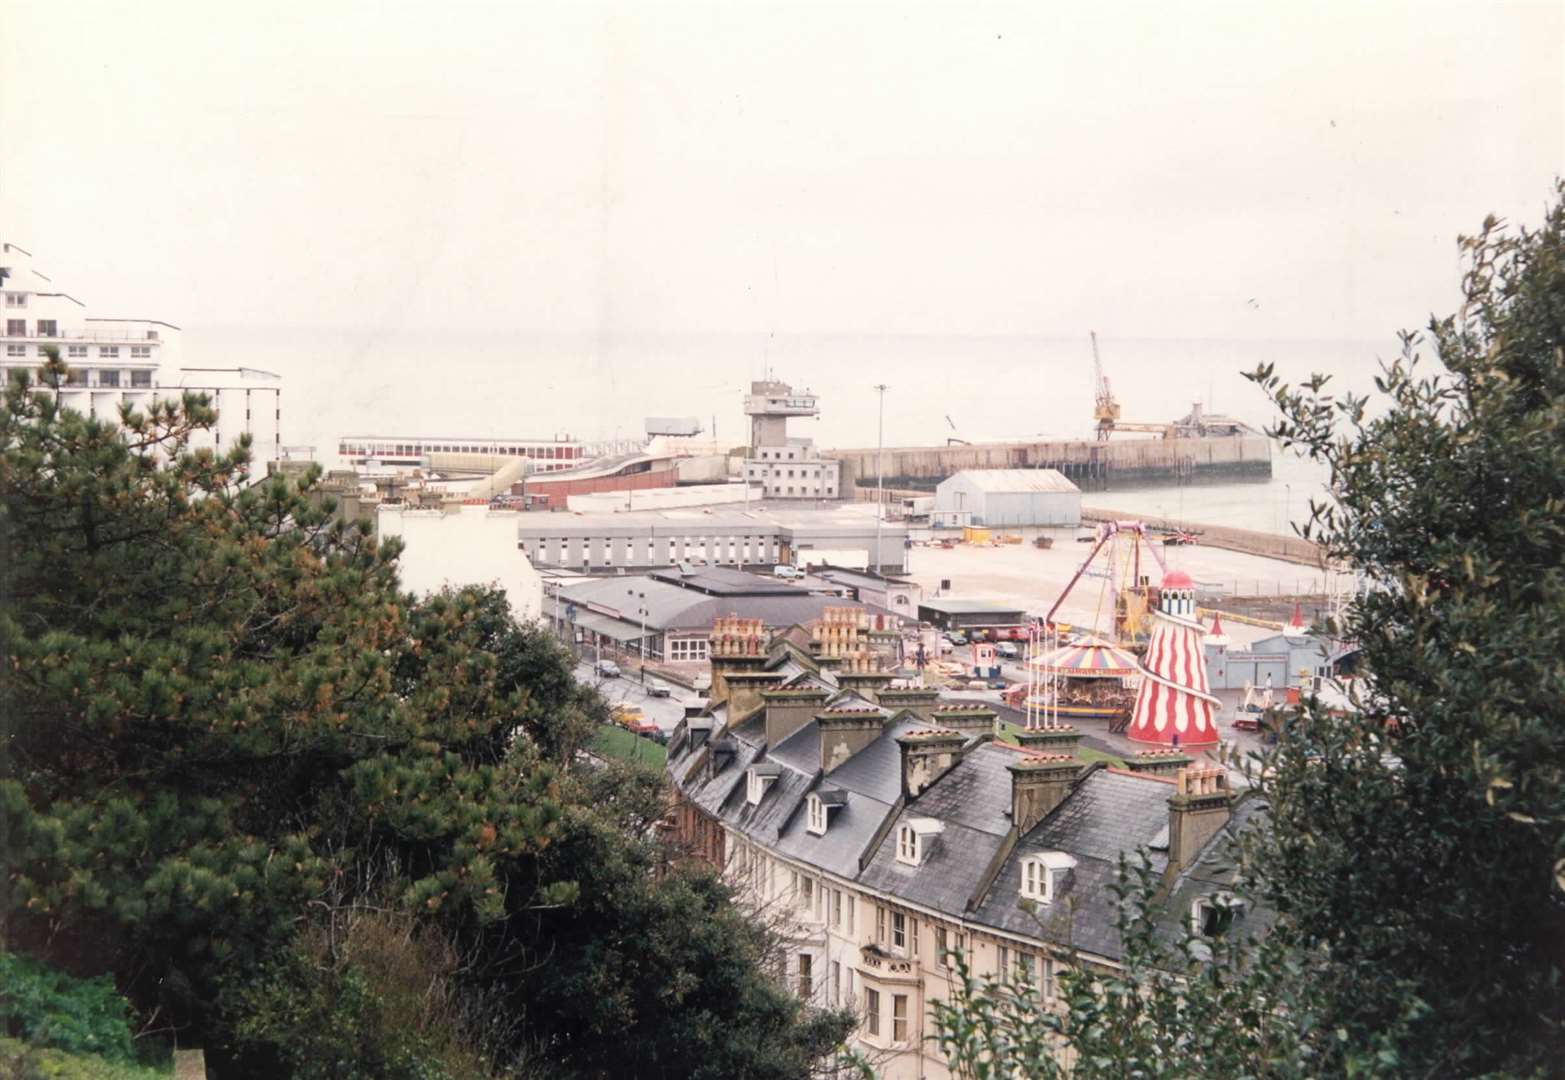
(792, 405)
(876, 961)
(92, 337)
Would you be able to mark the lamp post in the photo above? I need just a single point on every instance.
(880, 469)
(641, 642)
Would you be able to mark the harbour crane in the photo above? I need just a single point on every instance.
(1105, 409)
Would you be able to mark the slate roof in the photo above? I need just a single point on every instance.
(1108, 812)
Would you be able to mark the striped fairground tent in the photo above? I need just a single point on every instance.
(1089, 657)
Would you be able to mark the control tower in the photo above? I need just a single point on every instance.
(769, 405)
(784, 467)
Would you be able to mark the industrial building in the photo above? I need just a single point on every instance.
(975, 618)
(1293, 658)
(668, 615)
(718, 536)
(894, 594)
(1000, 498)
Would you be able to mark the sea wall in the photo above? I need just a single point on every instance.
(1092, 466)
(1249, 541)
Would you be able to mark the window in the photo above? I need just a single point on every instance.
(899, 1018)
(141, 378)
(16, 328)
(1044, 875)
(1024, 968)
(1048, 978)
(836, 908)
(1002, 963)
(852, 916)
(15, 299)
(76, 352)
(1210, 916)
(836, 983)
(48, 328)
(76, 377)
(880, 925)
(872, 1011)
(141, 352)
(816, 812)
(806, 894)
(907, 845)
(899, 931)
(109, 352)
(941, 947)
(806, 978)
(16, 350)
(109, 377)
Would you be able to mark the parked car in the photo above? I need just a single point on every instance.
(783, 570)
(956, 637)
(997, 683)
(1179, 538)
(1008, 650)
(657, 689)
(608, 669)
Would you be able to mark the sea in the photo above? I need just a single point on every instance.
(341, 381)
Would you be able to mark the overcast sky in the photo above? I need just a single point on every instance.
(1159, 169)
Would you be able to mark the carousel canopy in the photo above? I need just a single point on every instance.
(1089, 657)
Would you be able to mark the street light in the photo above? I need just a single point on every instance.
(641, 642)
(880, 470)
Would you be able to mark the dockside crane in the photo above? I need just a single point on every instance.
(1105, 409)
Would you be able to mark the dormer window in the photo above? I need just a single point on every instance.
(1043, 876)
(914, 839)
(819, 806)
(1211, 915)
(757, 779)
(816, 811)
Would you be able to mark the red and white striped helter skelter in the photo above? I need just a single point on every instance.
(1174, 706)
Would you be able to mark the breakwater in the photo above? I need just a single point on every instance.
(1249, 541)
(1090, 465)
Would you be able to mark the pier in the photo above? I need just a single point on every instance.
(1093, 465)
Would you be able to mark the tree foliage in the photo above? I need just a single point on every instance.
(1415, 857)
(226, 731)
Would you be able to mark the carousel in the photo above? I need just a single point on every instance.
(1086, 678)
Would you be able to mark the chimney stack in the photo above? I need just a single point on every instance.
(926, 755)
(1158, 762)
(844, 732)
(1198, 810)
(1055, 739)
(1039, 783)
(788, 710)
(921, 701)
(968, 719)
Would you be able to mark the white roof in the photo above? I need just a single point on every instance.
(1018, 480)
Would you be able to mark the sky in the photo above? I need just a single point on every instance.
(609, 178)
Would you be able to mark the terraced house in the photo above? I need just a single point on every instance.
(882, 828)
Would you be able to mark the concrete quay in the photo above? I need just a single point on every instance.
(1291, 549)
(1092, 465)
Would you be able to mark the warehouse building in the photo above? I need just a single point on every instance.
(999, 498)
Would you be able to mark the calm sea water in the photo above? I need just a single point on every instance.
(341, 382)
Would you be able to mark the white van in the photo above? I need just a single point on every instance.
(783, 570)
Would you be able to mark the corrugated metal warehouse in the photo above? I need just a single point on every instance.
(1002, 497)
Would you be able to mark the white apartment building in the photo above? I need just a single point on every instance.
(125, 361)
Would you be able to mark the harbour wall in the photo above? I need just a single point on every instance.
(1271, 545)
(1090, 465)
